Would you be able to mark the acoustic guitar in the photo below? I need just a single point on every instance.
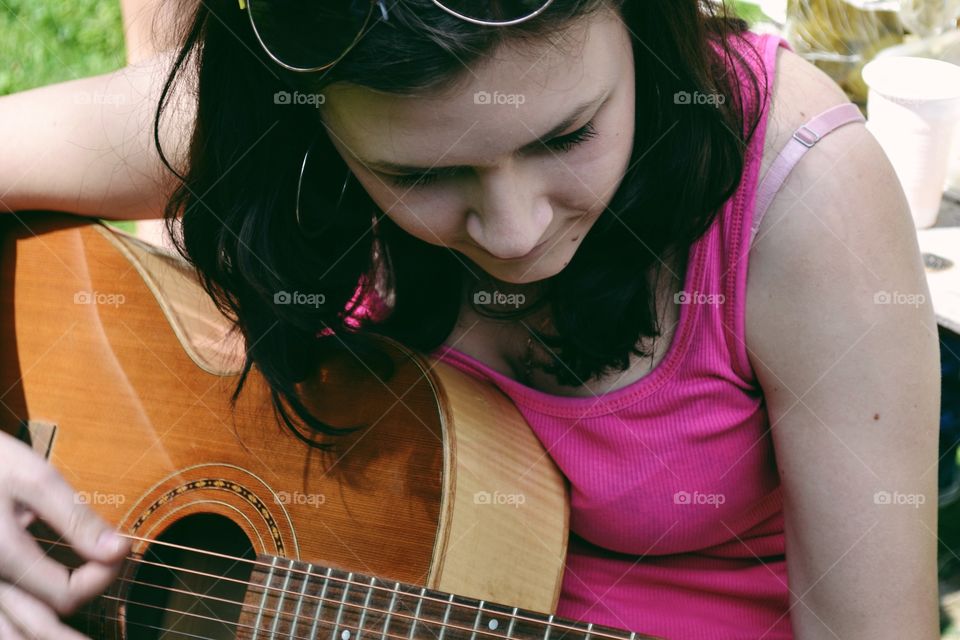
(442, 517)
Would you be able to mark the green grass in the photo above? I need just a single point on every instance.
(749, 11)
(48, 41)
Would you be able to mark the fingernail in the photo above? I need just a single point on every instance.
(109, 542)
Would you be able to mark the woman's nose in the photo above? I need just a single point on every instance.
(511, 218)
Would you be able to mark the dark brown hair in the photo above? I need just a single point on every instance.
(233, 214)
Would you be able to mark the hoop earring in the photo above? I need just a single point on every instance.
(303, 166)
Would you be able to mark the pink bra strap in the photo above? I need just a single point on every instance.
(803, 138)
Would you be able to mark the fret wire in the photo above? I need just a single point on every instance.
(263, 599)
(303, 592)
(446, 616)
(476, 623)
(343, 601)
(366, 604)
(240, 626)
(416, 613)
(546, 634)
(393, 601)
(394, 591)
(514, 616)
(254, 563)
(590, 626)
(317, 613)
(283, 593)
(513, 621)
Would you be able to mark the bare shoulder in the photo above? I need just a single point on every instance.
(800, 91)
(839, 221)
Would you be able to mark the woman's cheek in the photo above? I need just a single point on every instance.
(429, 217)
(431, 222)
(583, 188)
(595, 179)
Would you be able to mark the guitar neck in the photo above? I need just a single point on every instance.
(290, 599)
(281, 599)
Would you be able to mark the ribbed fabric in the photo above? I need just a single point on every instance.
(676, 511)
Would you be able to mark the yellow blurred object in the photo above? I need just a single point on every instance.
(840, 38)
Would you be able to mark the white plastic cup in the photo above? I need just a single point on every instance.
(913, 107)
(953, 171)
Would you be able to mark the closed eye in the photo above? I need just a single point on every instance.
(562, 144)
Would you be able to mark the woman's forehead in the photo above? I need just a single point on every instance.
(510, 99)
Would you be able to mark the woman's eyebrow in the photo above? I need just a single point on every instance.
(578, 111)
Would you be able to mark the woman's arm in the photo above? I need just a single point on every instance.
(842, 336)
(86, 146)
(147, 26)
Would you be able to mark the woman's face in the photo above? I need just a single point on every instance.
(513, 168)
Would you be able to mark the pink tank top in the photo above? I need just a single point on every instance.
(676, 514)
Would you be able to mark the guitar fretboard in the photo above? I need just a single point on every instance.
(290, 599)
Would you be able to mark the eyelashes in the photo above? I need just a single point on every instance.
(567, 142)
(561, 144)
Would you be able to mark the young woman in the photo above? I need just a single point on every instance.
(564, 197)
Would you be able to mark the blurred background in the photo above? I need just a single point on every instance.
(48, 41)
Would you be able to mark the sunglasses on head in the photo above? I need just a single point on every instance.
(284, 28)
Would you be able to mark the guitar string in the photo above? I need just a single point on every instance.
(239, 625)
(296, 618)
(283, 614)
(508, 616)
(336, 625)
(165, 631)
(341, 604)
(192, 635)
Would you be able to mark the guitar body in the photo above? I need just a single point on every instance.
(442, 516)
(120, 370)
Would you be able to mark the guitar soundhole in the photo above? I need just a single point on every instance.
(180, 593)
